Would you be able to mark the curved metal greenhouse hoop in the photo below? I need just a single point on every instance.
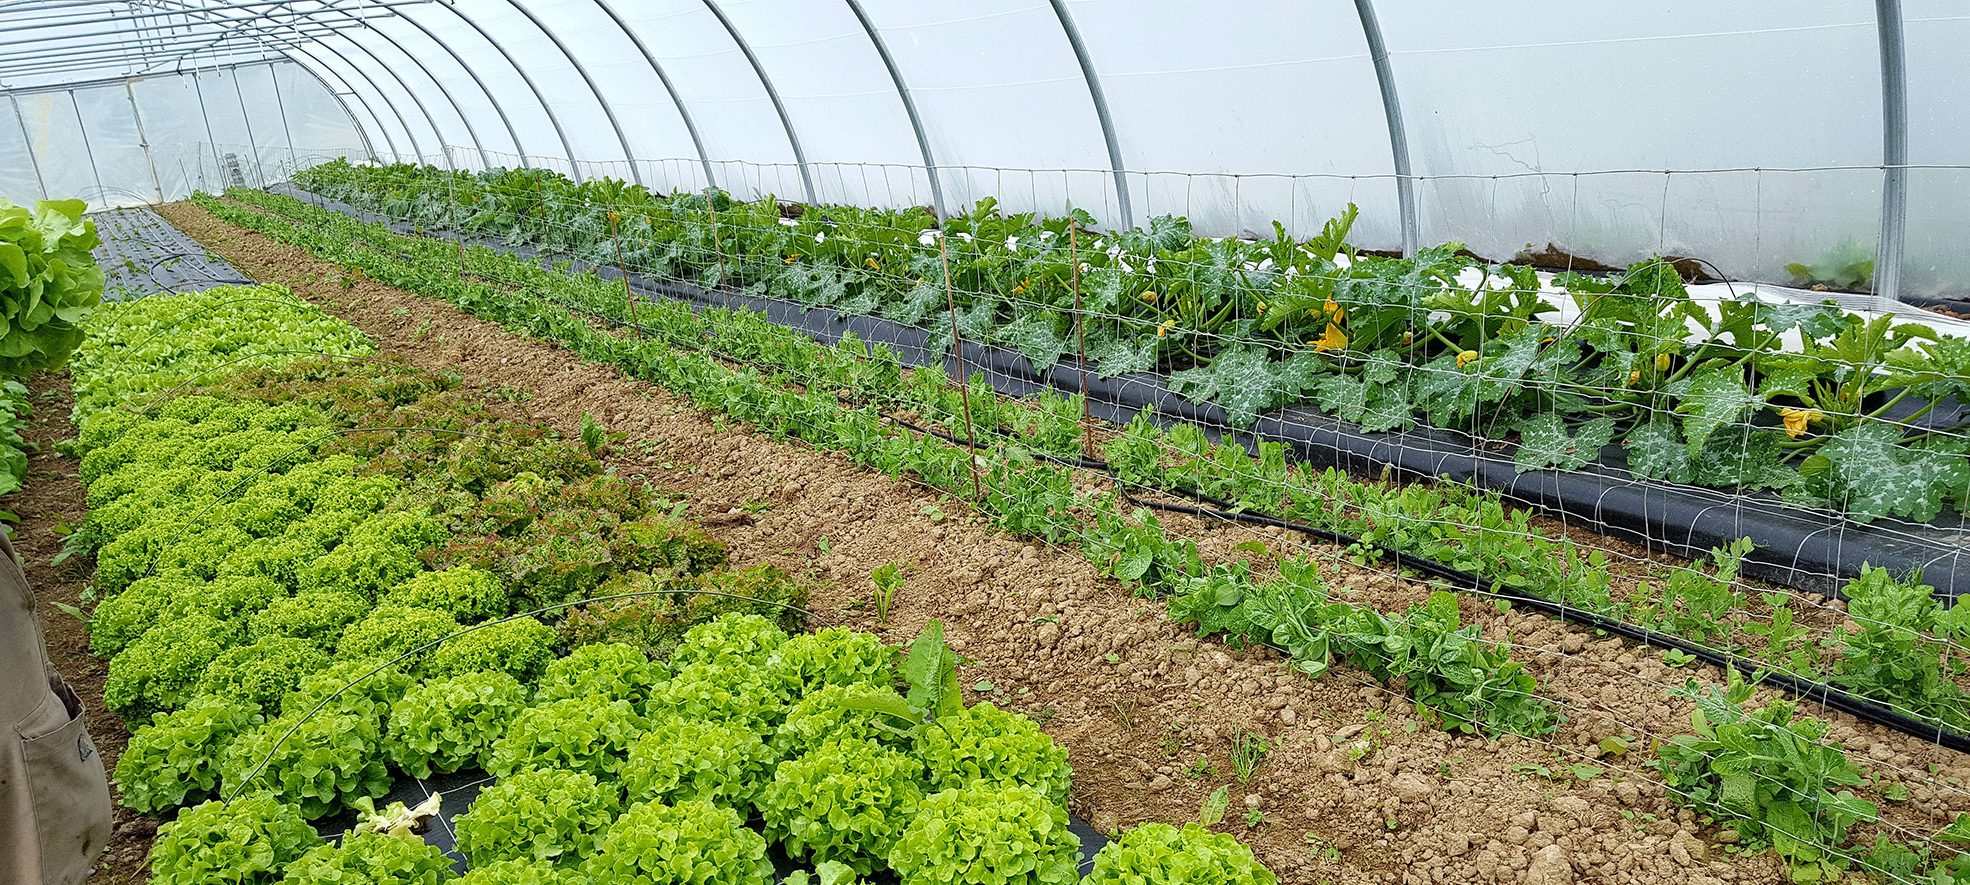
(690, 125)
(553, 119)
(504, 120)
(608, 112)
(909, 105)
(1101, 114)
(779, 107)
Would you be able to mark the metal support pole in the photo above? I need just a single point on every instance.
(252, 141)
(1405, 180)
(1894, 150)
(909, 107)
(211, 141)
(27, 141)
(1100, 110)
(88, 150)
(690, 125)
(280, 104)
(143, 140)
(773, 95)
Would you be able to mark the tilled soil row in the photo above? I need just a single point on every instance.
(1356, 787)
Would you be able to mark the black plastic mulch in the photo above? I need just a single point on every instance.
(142, 254)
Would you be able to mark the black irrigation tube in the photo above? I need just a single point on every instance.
(1808, 690)
(1807, 550)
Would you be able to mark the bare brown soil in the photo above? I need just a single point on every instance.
(50, 500)
(1356, 788)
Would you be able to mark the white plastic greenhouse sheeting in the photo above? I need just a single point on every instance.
(1750, 134)
(151, 139)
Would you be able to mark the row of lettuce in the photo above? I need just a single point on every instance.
(1904, 649)
(1832, 409)
(324, 570)
(49, 282)
(784, 384)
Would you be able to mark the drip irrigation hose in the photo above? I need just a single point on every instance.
(1805, 689)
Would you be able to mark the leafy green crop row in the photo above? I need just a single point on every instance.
(1289, 612)
(1467, 529)
(285, 688)
(1473, 686)
(1693, 396)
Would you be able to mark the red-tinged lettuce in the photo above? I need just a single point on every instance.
(987, 835)
(247, 841)
(690, 843)
(846, 801)
(1193, 855)
(548, 815)
(446, 724)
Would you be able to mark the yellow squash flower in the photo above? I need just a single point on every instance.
(1149, 296)
(1797, 419)
(1165, 328)
(789, 259)
(1334, 311)
(1333, 339)
(1466, 358)
(1662, 362)
(871, 262)
(1635, 376)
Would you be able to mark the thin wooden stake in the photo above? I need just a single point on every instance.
(964, 383)
(628, 297)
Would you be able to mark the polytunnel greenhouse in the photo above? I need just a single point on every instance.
(736, 442)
